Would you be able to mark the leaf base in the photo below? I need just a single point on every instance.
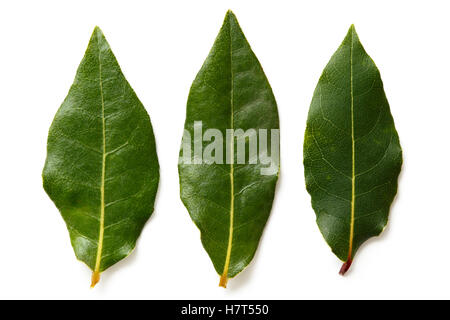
(345, 267)
(95, 278)
(223, 281)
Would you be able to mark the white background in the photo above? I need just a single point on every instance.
(160, 46)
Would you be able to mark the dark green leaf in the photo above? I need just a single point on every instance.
(352, 154)
(230, 202)
(102, 170)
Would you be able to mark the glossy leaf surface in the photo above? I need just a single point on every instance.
(352, 154)
(101, 169)
(230, 202)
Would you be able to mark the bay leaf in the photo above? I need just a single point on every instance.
(230, 200)
(102, 169)
(352, 153)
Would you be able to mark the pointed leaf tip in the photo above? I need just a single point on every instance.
(351, 36)
(351, 30)
(97, 34)
(97, 30)
(230, 15)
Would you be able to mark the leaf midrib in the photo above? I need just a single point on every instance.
(96, 275)
(224, 277)
(352, 212)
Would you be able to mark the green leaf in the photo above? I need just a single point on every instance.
(102, 170)
(352, 154)
(230, 202)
